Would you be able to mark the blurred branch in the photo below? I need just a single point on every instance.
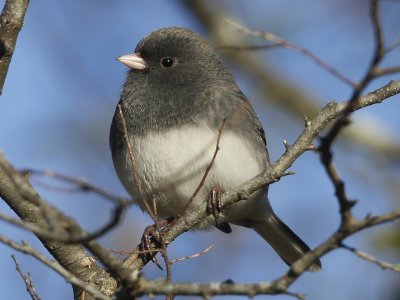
(385, 71)
(278, 41)
(393, 46)
(278, 90)
(11, 21)
(79, 183)
(72, 237)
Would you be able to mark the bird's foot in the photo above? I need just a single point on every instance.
(214, 207)
(214, 203)
(152, 240)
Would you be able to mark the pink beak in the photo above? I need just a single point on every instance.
(134, 61)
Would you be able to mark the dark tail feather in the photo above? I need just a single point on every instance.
(284, 241)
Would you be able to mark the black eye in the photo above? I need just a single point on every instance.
(167, 62)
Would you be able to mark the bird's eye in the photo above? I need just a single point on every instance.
(167, 62)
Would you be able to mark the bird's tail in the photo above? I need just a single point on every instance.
(283, 240)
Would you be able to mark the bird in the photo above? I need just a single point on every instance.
(183, 131)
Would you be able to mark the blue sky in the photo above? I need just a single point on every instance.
(61, 92)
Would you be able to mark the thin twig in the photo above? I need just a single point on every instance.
(151, 212)
(80, 183)
(132, 158)
(386, 71)
(30, 287)
(202, 252)
(283, 43)
(248, 47)
(17, 192)
(382, 264)
(208, 168)
(343, 121)
(71, 278)
(167, 262)
(345, 203)
(378, 34)
(393, 46)
(72, 237)
(333, 242)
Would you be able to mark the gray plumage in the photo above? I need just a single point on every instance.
(173, 114)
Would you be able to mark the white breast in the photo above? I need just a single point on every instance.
(174, 163)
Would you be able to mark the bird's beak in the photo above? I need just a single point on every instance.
(134, 61)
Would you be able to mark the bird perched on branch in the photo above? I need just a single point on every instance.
(184, 133)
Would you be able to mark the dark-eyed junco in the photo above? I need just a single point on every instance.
(177, 100)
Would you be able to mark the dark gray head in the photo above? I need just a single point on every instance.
(175, 75)
(177, 57)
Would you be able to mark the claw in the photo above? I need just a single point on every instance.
(151, 235)
(214, 204)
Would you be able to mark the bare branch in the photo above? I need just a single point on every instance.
(151, 211)
(80, 183)
(211, 289)
(386, 71)
(278, 286)
(330, 112)
(11, 21)
(345, 204)
(138, 182)
(208, 168)
(378, 34)
(30, 287)
(73, 236)
(393, 46)
(333, 242)
(248, 47)
(16, 191)
(275, 88)
(79, 268)
(382, 264)
(193, 255)
(343, 121)
(27, 249)
(283, 43)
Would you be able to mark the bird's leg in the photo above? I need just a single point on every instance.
(214, 207)
(151, 235)
(214, 203)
